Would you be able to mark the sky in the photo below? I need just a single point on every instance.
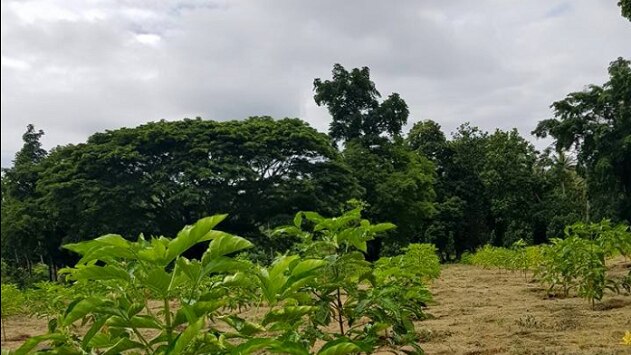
(76, 67)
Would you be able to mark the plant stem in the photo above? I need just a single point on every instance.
(339, 312)
(4, 330)
(167, 318)
(143, 340)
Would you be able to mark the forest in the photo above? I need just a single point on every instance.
(458, 191)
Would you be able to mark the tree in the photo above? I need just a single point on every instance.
(397, 182)
(563, 196)
(23, 224)
(22, 177)
(160, 175)
(596, 123)
(625, 8)
(462, 203)
(511, 185)
(351, 98)
(398, 186)
(427, 138)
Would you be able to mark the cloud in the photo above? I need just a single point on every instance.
(74, 67)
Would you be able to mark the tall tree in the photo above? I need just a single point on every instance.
(158, 176)
(398, 187)
(463, 206)
(563, 200)
(511, 185)
(596, 123)
(23, 223)
(352, 100)
(397, 183)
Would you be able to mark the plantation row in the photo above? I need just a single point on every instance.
(148, 297)
(323, 298)
(576, 262)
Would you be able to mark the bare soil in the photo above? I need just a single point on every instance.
(482, 311)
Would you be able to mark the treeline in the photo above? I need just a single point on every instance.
(459, 192)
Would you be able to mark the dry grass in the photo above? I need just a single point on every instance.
(481, 311)
(496, 312)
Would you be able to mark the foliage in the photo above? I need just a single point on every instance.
(596, 123)
(12, 303)
(351, 98)
(396, 181)
(22, 276)
(613, 239)
(463, 206)
(419, 262)
(400, 190)
(518, 257)
(370, 306)
(165, 174)
(579, 260)
(23, 218)
(146, 296)
(625, 8)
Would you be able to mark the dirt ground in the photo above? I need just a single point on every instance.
(480, 311)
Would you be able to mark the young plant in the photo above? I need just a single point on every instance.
(136, 276)
(369, 312)
(12, 304)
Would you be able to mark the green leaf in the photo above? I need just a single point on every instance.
(192, 269)
(382, 227)
(191, 235)
(298, 220)
(93, 272)
(80, 309)
(252, 346)
(94, 329)
(223, 264)
(121, 345)
(32, 342)
(158, 280)
(200, 309)
(339, 347)
(287, 347)
(307, 266)
(242, 326)
(225, 244)
(185, 338)
(140, 322)
(288, 314)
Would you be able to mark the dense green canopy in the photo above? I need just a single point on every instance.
(458, 192)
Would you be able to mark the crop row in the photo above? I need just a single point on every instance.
(148, 297)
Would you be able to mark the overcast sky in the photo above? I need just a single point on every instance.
(76, 67)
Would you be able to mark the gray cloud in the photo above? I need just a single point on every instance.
(76, 67)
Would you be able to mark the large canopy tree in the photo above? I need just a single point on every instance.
(596, 124)
(158, 176)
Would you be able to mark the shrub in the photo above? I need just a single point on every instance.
(12, 304)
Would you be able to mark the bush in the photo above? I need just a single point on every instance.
(327, 282)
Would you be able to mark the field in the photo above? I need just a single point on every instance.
(483, 311)
(487, 311)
